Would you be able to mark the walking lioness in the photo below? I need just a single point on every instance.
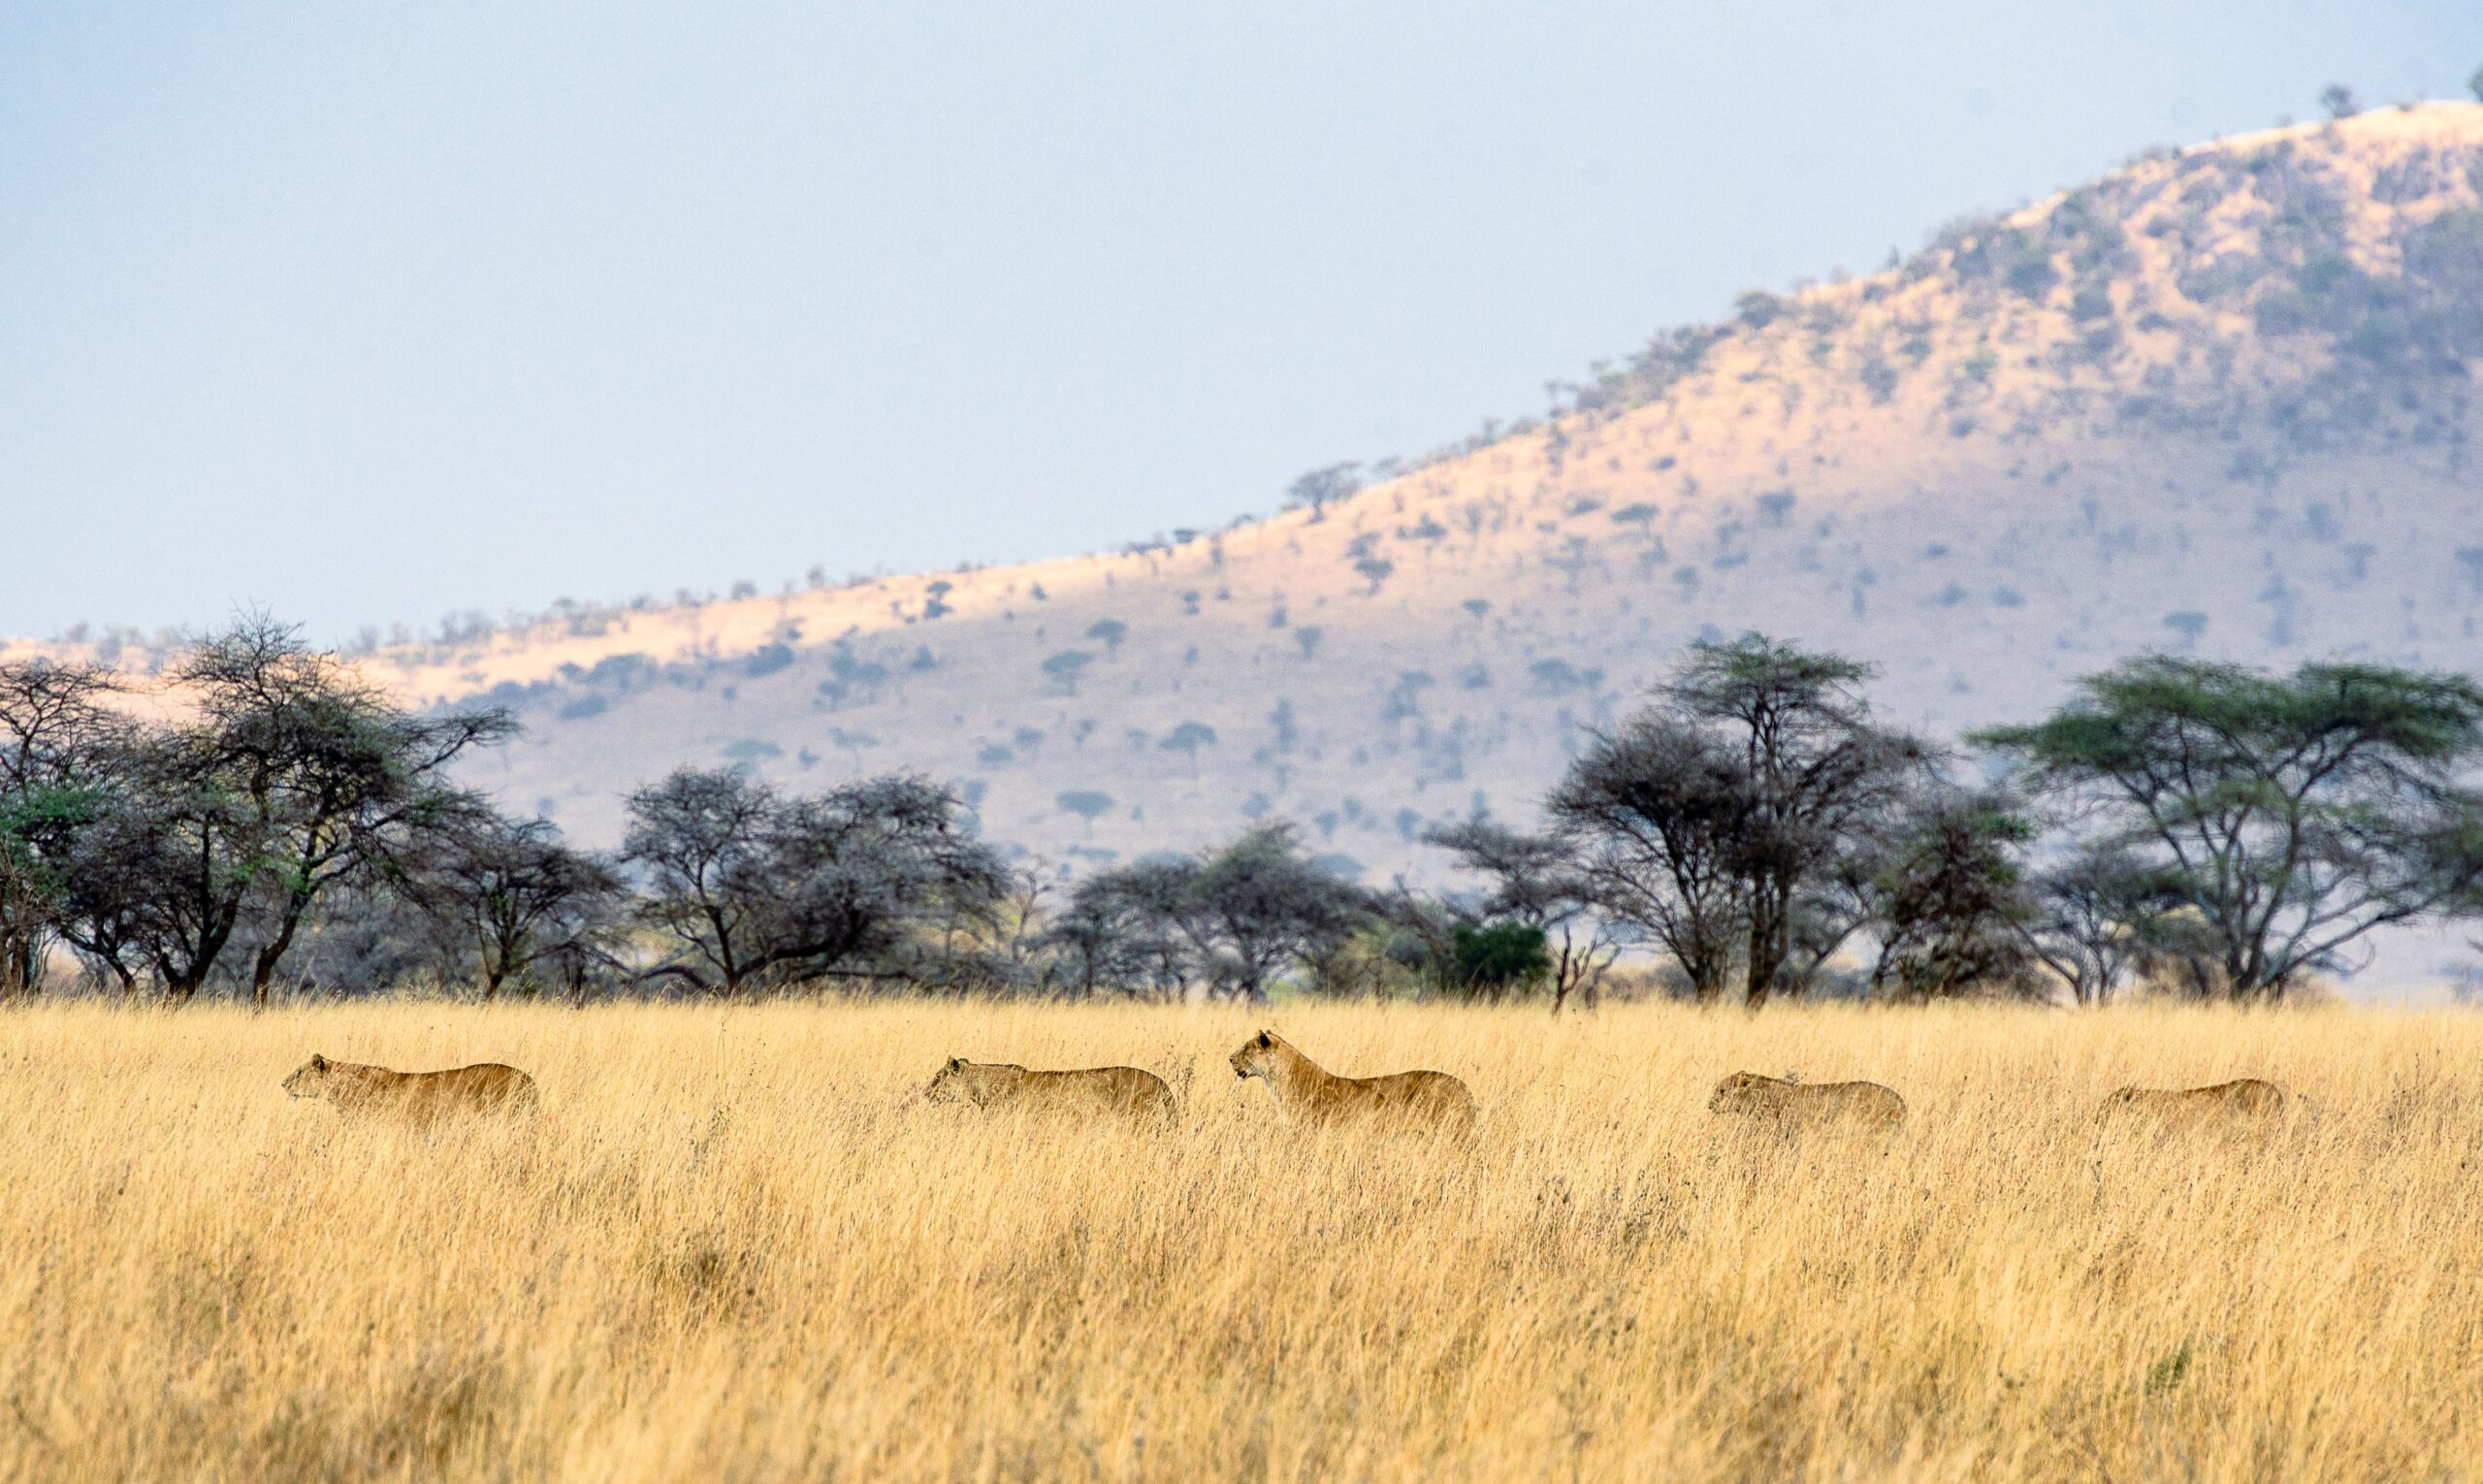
(1091, 1089)
(2246, 1099)
(1306, 1092)
(360, 1091)
(1753, 1096)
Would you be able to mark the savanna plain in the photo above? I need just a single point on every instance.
(735, 1246)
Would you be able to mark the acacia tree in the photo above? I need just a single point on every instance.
(1187, 738)
(2095, 915)
(57, 735)
(515, 896)
(1539, 881)
(1237, 917)
(1322, 487)
(285, 777)
(1117, 931)
(1720, 820)
(299, 775)
(699, 836)
(1088, 804)
(113, 908)
(876, 880)
(1948, 898)
(1818, 775)
(1656, 814)
(2293, 814)
(757, 888)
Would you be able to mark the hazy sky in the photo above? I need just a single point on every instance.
(373, 312)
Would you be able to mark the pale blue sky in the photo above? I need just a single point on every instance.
(371, 312)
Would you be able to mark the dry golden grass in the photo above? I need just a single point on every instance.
(734, 1249)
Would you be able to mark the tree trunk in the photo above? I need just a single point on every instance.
(19, 970)
(263, 967)
(297, 905)
(1766, 951)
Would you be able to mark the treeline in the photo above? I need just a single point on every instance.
(272, 821)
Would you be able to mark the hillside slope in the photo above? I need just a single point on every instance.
(2221, 399)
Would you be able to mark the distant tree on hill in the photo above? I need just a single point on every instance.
(1758, 309)
(1323, 486)
(2189, 624)
(2474, 84)
(1088, 804)
(1108, 632)
(1066, 666)
(2339, 101)
(1188, 738)
(1639, 514)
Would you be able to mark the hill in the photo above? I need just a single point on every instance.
(2219, 400)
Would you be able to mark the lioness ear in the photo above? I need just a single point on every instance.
(954, 1062)
(318, 1062)
(1267, 1038)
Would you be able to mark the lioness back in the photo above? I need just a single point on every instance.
(1750, 1095)
(2245, 1098)
(1431, 1097)
(1122, 1090)
(357, 1091)
(1130, 1090)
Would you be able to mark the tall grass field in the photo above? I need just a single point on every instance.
(733, 1245)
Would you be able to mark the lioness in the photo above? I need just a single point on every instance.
(2247, 1098)
(1090, 1089)
(1772, 1098)
(1308, 1092)
(420, 1096)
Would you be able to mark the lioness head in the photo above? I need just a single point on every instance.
(1255, 1057)
(946, 1083)
(1734, 1089)
(308, 1079)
